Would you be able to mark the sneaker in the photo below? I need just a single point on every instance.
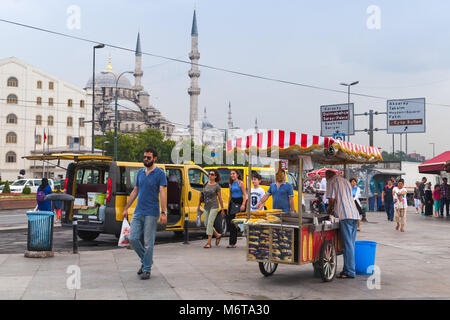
(145, 275)
(140, 270)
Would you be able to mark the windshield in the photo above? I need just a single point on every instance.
(19, 183)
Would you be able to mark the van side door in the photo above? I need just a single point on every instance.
(196, 178)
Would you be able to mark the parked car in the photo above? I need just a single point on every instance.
(18, 185)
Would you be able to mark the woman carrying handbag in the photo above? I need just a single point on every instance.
(238, 199)
(211, 193)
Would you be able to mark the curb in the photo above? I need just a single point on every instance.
(18, 228)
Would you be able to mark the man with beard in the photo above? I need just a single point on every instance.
(150, 182)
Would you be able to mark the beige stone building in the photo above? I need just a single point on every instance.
(38, 112)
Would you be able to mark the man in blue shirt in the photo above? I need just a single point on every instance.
(282, 193)
(150, 183)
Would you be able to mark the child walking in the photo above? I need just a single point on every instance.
(400, 205)
(437, 201)
(257, 192)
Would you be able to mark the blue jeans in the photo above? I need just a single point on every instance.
(389, 207)
(348, 235)
(143, 225)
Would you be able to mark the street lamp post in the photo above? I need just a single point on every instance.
(348, 106)
(115, 110)
(99, 46)
(433, 147)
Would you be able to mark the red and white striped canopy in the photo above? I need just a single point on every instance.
(299, 143)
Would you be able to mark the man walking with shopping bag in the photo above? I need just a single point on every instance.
(150, 183)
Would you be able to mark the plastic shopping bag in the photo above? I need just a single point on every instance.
(124, 234)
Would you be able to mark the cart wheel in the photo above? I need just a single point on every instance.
(267, 268)
(327, 261)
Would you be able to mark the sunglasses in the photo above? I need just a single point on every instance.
(212, 174)
(149, 158)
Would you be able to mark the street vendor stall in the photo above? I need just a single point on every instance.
(297, 238)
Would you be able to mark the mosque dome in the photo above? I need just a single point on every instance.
(107, 78)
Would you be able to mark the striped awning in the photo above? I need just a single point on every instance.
(291, 143)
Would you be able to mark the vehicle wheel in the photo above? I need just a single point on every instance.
(267, 268)
(88, 235)
(327, 261)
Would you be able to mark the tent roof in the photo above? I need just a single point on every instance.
(291, 144)
(436, 164)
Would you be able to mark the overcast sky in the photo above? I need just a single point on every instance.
(320, 43)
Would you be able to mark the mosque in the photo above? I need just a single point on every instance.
(136, 113)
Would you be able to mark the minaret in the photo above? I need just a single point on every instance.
(230, 121)
(138, 66)
(194, 73)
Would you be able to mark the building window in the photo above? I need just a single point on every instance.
(11, 157)
(50, 120)
(39, 101)
(13, 82)
(69, 121)
(81, 103)
(39, 84)
(81, 121)
(50, 102)
(11, 118)
(82, 140)
(50, 140)
(69, 102)
(38, 139)
(50, 85)
(68, 140)
(11, 137)
(12, 99)
(39, 120)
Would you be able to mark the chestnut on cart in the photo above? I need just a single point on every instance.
(302, 237)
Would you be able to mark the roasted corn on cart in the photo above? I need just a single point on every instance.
(298, 238)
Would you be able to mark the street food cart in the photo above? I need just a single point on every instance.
(298, 238)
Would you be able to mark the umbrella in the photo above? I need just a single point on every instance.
(320, 173)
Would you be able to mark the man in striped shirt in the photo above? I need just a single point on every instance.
(340, 201)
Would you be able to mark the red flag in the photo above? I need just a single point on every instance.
(45, 136)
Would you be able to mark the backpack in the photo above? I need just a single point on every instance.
(40, 196)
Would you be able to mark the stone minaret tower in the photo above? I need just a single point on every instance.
(138, 67)
(230, 121)
(194, 73)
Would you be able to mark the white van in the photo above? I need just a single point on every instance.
(18, 185)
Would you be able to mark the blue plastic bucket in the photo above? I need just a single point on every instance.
(40, 230)
(365, 257)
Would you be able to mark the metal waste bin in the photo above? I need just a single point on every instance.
(40, 230)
